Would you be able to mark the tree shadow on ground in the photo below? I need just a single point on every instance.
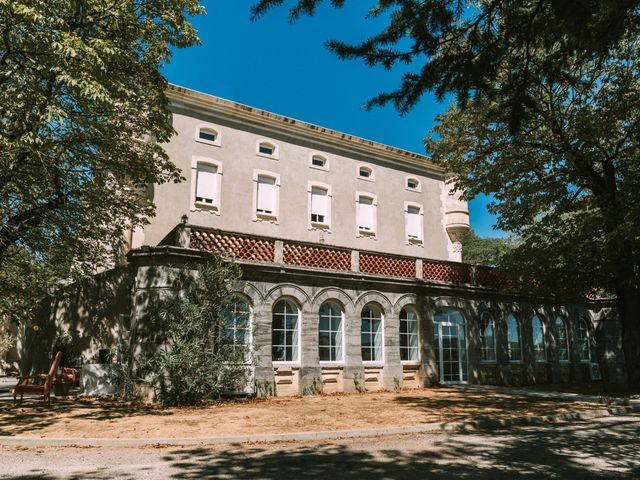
(480, 405)
(32, 415)
(579, 451)
(606, 449)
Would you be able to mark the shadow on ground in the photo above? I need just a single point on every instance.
(608, 449)
(31, 415)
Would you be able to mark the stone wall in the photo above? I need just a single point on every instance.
(264, 284)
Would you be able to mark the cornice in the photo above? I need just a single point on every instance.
(197, 101)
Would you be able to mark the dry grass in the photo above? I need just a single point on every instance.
(91, 418)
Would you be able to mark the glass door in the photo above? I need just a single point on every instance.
(451, 352)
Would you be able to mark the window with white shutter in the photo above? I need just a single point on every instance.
(413, 223)
(319, 205)
(366, 214)
(266, 198)
(206, 184)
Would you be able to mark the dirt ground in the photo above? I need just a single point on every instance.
(92, 418)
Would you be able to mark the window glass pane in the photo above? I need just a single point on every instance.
(266, 149)
(365, 172)
(206, 183)
(285, 332)
(487, 337)
(562, 339)
(235, 326)
(208, 135)
(318, 161)
(330, 331)
(408, 335)
(513, 339)
(537, 331)
(412, 183)
(584, 343)
(371, 334)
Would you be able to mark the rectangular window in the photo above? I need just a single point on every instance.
(208, 136)
(414, 223)
(408, 336)
(266, 149)
(366, 213)
(266, 198)
(319, 201)
(206, 184)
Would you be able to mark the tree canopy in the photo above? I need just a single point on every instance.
(83, 116)
(567, 184)
(460, 46)
(485, 251)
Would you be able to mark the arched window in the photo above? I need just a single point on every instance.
(330, 340)
(371, 335)
(319, 161)
(409, 349)
(285, 339)
(584, 340)
(562, 339)
(267, 149)
(487, 337)
(412, 184)
(207, 135)
(537, 331)
(235, 326)
(513, 339)
(365, 172)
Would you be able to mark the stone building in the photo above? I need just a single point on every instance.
(350, 252)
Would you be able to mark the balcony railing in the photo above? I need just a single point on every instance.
(270, 250)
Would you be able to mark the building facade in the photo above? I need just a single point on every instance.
(350, 254)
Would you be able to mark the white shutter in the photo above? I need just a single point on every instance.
(206, 183)
(413, 223)
(365, 213)
(266, 195)
(319, 201)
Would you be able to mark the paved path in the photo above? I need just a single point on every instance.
(603, 448)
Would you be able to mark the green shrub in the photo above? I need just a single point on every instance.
(193, 360)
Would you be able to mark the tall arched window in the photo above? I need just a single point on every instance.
(487, 337)
(285, 339)
(235, 325)
(409, 349)
(330, 340)
(562, 339)
(371, 335)
(539, 348)
(513, 339)
(584, 340)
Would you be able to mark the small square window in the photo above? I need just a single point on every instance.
(412, 183)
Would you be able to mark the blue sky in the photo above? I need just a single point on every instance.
(285, 68)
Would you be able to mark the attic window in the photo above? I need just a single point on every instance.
(318, 161)
(366, 173)
(207, 135)
(266, 149)
(413, 184)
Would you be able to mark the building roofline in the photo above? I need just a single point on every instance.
(193, 98)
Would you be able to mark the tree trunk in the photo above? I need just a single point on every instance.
(629, 314)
